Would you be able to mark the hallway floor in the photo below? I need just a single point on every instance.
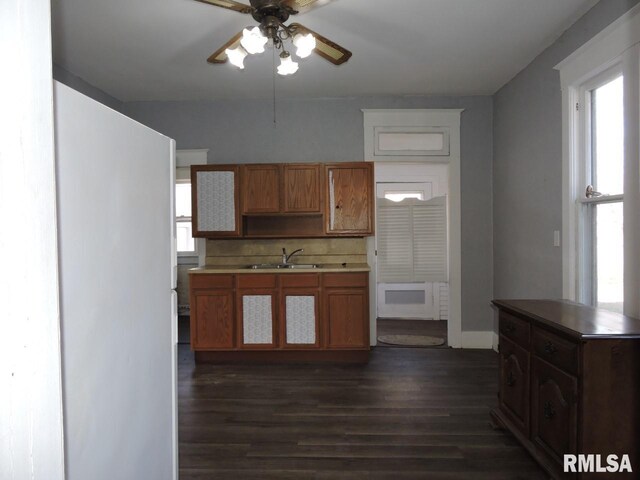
(434, 328)
(411, 413)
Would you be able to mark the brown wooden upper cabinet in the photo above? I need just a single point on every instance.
(215, 201)
(276, 189)
(349, 206)
(302, 188)
(291, 200)
(260, 189)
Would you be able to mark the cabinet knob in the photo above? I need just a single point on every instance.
(509, 328)
(511, 381)
(548, 411)
(550, 348)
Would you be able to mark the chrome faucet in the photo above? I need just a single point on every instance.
(286, 258)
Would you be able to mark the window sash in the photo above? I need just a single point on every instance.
(586, 268)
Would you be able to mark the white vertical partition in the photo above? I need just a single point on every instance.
(114, 228)
(31, 436)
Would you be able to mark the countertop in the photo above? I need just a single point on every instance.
(324, 268)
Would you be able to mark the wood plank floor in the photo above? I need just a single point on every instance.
(435, 328)
(408, 414)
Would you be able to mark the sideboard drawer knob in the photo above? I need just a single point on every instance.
(550, 348)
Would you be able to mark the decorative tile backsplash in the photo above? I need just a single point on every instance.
(316, 250)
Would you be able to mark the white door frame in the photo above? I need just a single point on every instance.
(436, 175)
(449, 120)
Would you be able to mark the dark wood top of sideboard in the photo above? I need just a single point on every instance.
(574, 319)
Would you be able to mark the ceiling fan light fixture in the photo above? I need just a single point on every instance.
(287, 66)
(305, 44)
(236, 56)
(253, 40)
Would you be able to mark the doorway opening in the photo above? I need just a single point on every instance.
(412, 275)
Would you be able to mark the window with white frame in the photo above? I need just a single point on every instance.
(186, 245)
(601, 207)
(601, 168)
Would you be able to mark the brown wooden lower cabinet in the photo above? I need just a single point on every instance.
(554, 402)
(257, 318)
(514, 382)
(570, 383)
(300, 314)
(345, 309)
(295, 314)
(212, 319)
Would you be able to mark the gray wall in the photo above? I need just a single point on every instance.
(329, 130)
(78, 84)
(527, 166)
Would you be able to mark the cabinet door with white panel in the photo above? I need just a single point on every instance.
(257, 301)
(300, 311)
(215, 201)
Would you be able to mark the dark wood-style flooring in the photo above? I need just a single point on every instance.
(434, 328)
(411, 413)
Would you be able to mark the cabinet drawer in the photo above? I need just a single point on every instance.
(556, 350)
(346, 279)
(257, 281)
(300, 280)
(515, 329)
(201, 281)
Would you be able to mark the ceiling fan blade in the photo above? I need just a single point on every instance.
(327, 49)
(219, 56)
(302, 6)
(229, 4)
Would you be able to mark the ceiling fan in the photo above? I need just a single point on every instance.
(272, 15)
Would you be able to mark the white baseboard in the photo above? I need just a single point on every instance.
(478, 340)
(496, 342)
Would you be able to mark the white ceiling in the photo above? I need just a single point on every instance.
(157, 49)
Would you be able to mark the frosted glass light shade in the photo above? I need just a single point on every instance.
(287, 66)
(253, 41)
(236, 56)
(304, 44)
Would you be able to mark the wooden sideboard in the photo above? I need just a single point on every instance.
(569, 383)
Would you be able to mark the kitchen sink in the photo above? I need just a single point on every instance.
(301, 265)
(267, 266)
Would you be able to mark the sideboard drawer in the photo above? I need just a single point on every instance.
(514, 328)
(556, 350)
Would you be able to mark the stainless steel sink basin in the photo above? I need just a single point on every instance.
(270, 266)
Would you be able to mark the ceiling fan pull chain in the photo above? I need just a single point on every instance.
(274, 85)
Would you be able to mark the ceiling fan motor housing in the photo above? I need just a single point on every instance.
(263, 9)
